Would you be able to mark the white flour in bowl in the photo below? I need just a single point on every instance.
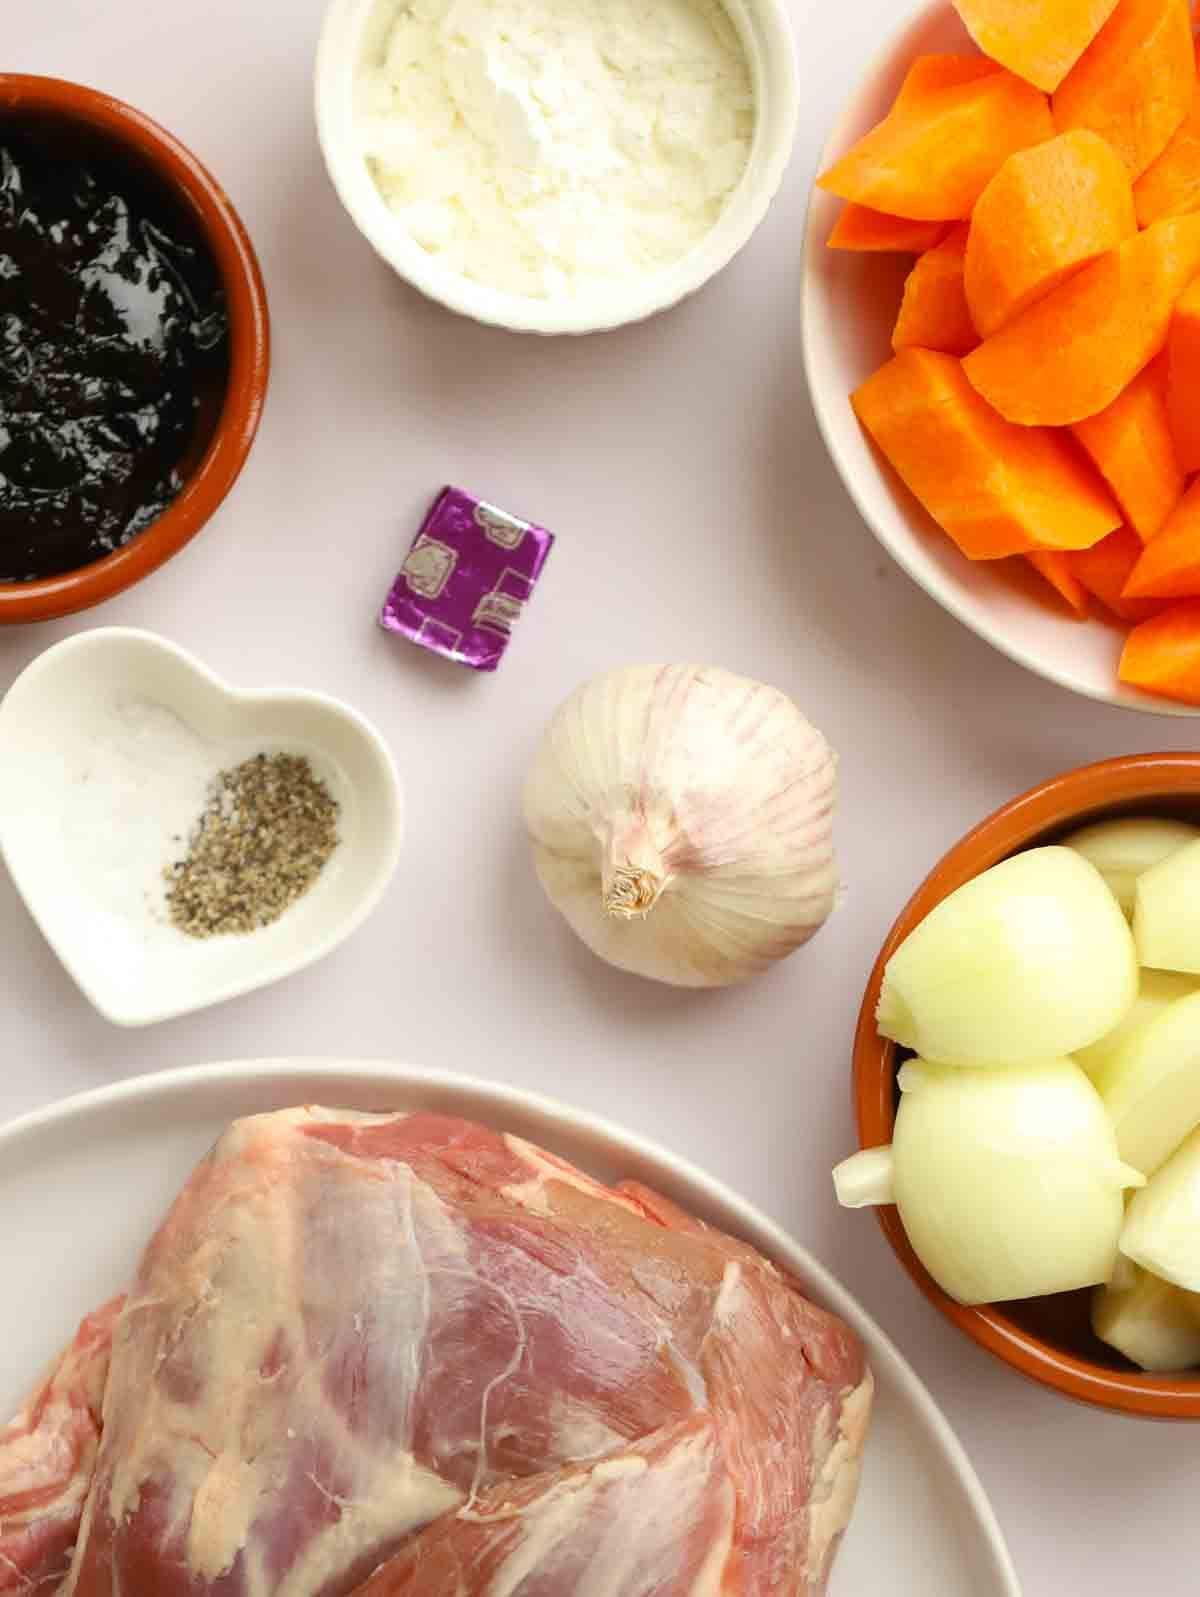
(543, 146)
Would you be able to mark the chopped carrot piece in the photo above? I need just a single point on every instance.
(1039, 40)
(1130, 442)
(861, 228)
(931, 73)
(1171, 185)
(933, 312)
(995, 488)
(1162, 655)
(1055, 566)
(1183, 377)
(1169, 567)
(1071, 353)
(1134, 83)
(1105, 568)
(1047, 212)
(954, 123)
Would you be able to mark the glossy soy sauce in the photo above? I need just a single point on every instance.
(114, 348)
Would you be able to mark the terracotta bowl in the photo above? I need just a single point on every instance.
(226, 421)
(1048, 1339)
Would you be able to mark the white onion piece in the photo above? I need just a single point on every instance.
(1151, 1085)
(1121, 850)
(1125, 1275)
(1162, 1226)
(1029, 960)
(1008, 1182)
(1154, 1324)
(1166, 915)
(1156, 989)
(865, 1179)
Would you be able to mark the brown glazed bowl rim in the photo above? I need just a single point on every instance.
(249, 344)
(1054, 806)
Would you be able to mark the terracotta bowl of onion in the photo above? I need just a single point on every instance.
(177, 840)
(152, 339)
(1045, 1161)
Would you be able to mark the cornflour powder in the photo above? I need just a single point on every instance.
(543, 147)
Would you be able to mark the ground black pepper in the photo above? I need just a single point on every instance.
(267, 830)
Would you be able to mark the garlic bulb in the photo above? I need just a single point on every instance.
(681, 820)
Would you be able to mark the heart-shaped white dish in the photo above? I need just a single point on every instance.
(103, 742)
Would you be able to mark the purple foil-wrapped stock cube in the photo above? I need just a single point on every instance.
(466, 580)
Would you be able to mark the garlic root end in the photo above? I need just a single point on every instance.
(633, 875)
(631, 893)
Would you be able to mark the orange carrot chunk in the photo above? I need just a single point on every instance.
(1171, 185)
(1134, 83)
(1069, 355)
(933, 312)
(1130, 442)
(1047, 212)
(954, 123)
(1105, 568)
(995, 488)
(1169, 567)
(1163, 654)
(1183, 377)
(1055, 567)
(860, 228)
(1039, 40)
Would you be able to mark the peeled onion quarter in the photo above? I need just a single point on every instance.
(1008, 1181)
(1155, 1324)
(1123, 849)
(1166, 916)
(1151, 1085)
(1162, 1227)
(1156, 990)
(1029, 960)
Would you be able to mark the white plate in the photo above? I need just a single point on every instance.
(83, 1183)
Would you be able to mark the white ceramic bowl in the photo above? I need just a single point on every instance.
(850, 303)
(353, 31)
(85, 834)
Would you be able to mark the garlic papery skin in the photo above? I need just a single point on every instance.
(682, 822)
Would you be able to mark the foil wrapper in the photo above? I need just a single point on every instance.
(470, 572)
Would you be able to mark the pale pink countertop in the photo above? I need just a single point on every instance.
(697, 517)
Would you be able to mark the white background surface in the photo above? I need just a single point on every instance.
(697, 518)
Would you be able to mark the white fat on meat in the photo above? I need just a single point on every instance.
(532, 1194)
(47, 1455)
(624, 1529)
(231, 1452)
(836, 1486)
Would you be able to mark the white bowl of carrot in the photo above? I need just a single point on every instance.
(1002, 330)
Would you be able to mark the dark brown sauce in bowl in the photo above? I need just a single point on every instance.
(114, 346)
(227, 421)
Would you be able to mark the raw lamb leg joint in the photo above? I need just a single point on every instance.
(407, 1356)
